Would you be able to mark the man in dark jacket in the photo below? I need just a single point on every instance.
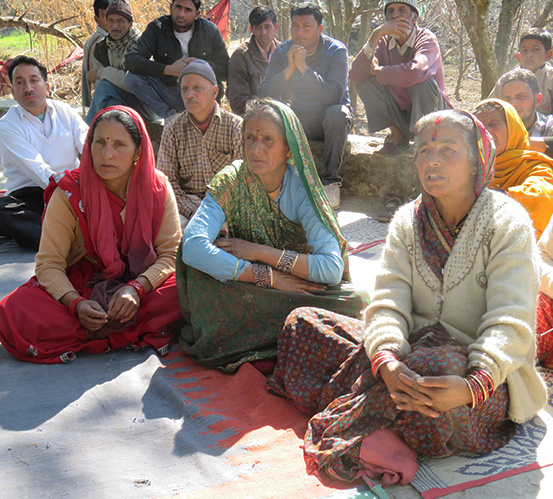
(249, 61)
(173, 41)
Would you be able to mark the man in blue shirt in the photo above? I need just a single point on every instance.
(309, 72)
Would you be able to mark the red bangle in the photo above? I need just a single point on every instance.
(381, 358)
(138, 286)
(481, 386)
(73, 304)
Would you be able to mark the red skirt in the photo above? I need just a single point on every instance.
(544, 330)
(36, 328)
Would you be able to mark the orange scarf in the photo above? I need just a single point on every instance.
(526, 175)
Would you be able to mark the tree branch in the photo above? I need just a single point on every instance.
(45, 29)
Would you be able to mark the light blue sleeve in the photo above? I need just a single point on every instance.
(325, 265)
(198, 249)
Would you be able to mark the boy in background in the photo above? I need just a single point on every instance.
(534, 53)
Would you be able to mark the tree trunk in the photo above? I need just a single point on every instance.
(474, 15)
(282, 10)
(462, 64)
(509, 10)
(340, 15)
(541, 21)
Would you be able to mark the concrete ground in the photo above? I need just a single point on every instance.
(17, 265)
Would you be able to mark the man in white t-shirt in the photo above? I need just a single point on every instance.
(168, 44)
(38, 137)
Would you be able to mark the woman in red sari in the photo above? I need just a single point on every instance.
(104, 268)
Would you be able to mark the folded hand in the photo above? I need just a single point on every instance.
(288, 282)
(444, 392)
(124, 304)
(245, 250)
(91, 314)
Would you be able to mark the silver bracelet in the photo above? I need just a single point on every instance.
(262, 275)
(287, 261)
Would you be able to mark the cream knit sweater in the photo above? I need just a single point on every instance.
(487, 299)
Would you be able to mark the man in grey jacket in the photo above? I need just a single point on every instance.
(173, 41)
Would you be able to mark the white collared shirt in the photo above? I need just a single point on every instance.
(409, 43)
(32, 150)
(267, 55)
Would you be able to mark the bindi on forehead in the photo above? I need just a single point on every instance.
(436, 123)
(258, 118)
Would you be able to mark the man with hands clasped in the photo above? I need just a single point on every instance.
(399, 75)
(309, 72)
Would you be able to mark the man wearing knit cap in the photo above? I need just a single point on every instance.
(399, 75)
(199, 142)
(111, 87)
(167, 45)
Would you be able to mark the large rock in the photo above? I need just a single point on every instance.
(367, 175)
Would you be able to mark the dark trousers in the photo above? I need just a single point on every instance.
(21, 216)
(107, 94)
(382, 110)
(331, 125)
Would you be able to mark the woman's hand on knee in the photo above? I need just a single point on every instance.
(288, 282)
(124, 304)
(91, 314)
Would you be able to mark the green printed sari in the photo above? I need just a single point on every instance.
(227, 324)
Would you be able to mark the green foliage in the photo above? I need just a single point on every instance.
(13, 42)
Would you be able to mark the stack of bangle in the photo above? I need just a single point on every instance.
(287, 261)
(381, 358)
(73, 304)
(138, 286)
(262, 275)
(480, 385)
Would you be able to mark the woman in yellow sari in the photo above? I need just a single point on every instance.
(523, 174)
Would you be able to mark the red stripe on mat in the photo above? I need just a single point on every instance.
(268, 433)
(366, 246)
(433, 493)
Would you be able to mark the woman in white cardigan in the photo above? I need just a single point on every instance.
(444, 361)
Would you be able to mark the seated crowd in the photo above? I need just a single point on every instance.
(228, 242)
